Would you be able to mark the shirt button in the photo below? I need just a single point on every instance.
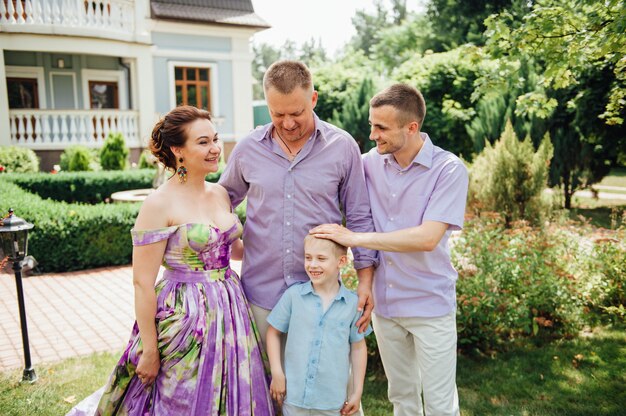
(317, 342)
(390, 285)
(288, 276)
(288, 251)
(321, 323)
(389, 262)
(288, 223)
(288, 196)
(393, 195)
(391, 219)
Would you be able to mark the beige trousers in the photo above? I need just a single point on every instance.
(419, 357)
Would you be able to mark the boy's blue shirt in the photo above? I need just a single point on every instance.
(317, 354)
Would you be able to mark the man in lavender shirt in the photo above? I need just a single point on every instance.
(417, 193)
(296, 172)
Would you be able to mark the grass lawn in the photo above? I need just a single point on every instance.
(617, 177)
(583, 376)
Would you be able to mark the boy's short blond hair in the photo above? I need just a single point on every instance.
(338, 249)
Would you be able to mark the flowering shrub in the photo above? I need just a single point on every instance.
(518, 282)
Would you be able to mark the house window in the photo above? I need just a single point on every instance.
(103, 94)
(23, 93)
(193, 86)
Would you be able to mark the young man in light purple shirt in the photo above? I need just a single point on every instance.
(296, 172)
(417, 193)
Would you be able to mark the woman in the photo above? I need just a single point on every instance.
(194, 349)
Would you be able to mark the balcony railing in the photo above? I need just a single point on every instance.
(99, 18)
(57, 129)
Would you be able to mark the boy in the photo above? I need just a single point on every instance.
(320, 317)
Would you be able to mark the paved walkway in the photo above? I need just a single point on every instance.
(68, 314)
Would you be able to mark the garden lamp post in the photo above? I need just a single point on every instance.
(14, 245)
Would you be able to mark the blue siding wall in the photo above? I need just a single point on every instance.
(64, 85)
(163, 84)
(191, 43)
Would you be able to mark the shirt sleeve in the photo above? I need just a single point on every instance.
(281, 314)
(356, 204)
(355, 336)
(447, 202)
(232, 178)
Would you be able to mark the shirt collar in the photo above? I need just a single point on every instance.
(266, 130)
(307, 288)
(424, 157)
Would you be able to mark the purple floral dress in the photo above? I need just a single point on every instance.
(211, 359)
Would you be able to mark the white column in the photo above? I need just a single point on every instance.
(5, 128)
(144, 99)
(142, 13)
(243, 120)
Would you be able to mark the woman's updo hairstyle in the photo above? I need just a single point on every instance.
(171, 131)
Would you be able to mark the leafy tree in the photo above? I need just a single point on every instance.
(264, 56)
(456, 22)
(368, 27)
(354, 114)
(312, 53)
(498, 107)
(399, 43)
(335, 82)
(446, 80)
(585, 147)
(510, 176)
(567, 36)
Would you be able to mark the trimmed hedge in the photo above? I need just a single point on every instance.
(72, 236)
(76, 236)
(88, 187)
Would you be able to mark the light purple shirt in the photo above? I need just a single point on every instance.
(286, 199)
(432, 188)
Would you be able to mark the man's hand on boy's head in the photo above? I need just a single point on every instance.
(336, 233)
(278, 388)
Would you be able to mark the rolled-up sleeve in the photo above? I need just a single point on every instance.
(355, 200)
(232, 178)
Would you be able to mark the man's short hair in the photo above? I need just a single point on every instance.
(337, 248)
(285, 76)
(408, 101)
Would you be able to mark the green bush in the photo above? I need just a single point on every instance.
(606, 277)
(16, 159)
(78, 158)
(510, 177)
(147, 160)
(114, 153)
(88, 187)
(516, 283)
(72, 236)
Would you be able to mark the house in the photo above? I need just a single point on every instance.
(78, 69)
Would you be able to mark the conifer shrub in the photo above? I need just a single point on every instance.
(78, 158)
(114, 153)
(510, 177)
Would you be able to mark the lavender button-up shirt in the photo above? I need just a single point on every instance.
(288, 198)
(432, 188)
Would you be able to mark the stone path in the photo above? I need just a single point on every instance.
(68, 314)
